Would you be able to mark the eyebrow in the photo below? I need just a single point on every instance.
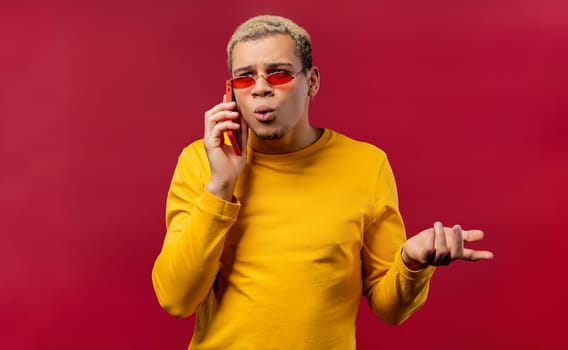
(269, 65)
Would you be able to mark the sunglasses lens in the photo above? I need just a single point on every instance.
(243, 82)
(279, 78)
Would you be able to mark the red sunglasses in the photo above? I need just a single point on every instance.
(275, 78)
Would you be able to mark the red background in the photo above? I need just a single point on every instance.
(97, 99)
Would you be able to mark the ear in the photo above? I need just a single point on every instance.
(313, 81)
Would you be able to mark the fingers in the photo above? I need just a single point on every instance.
(222, 111)
(442, 252)
(473, 235)
(215, 136)
(441, 245)
(456, 241)
(449, 245)
(430, 243)
(474, 255)
(219, 119)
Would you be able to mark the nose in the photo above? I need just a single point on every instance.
(262, 87)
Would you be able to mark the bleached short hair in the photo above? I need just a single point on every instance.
(263, 26)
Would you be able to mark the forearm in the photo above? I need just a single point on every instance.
(186, 267)
(400, 292)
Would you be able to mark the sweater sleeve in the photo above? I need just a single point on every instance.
(196, 223)
(393, 291)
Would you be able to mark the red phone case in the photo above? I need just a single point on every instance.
(230, 134)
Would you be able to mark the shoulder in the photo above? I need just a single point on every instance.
(193, 158)
(196, 149)
(358, 149)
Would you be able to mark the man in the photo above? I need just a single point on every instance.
(273, 248)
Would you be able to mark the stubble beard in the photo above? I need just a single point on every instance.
(273, 135)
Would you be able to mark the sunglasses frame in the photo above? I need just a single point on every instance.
(266, 77)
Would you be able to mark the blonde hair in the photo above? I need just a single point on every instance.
(263, 26)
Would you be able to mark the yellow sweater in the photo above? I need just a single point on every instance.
(284, 265)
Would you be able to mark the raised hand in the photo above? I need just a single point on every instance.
(440, 246)
(225, 165)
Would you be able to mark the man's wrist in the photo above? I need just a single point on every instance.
(223, 191)
(412, 264)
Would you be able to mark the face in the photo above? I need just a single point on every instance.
(274, 113)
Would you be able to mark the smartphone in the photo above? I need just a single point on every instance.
(232, 138)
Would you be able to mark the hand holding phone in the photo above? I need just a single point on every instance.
(232, 138)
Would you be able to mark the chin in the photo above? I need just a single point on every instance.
(267, 135)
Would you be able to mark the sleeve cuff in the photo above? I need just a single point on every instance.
(219, 207)
(408, 273)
